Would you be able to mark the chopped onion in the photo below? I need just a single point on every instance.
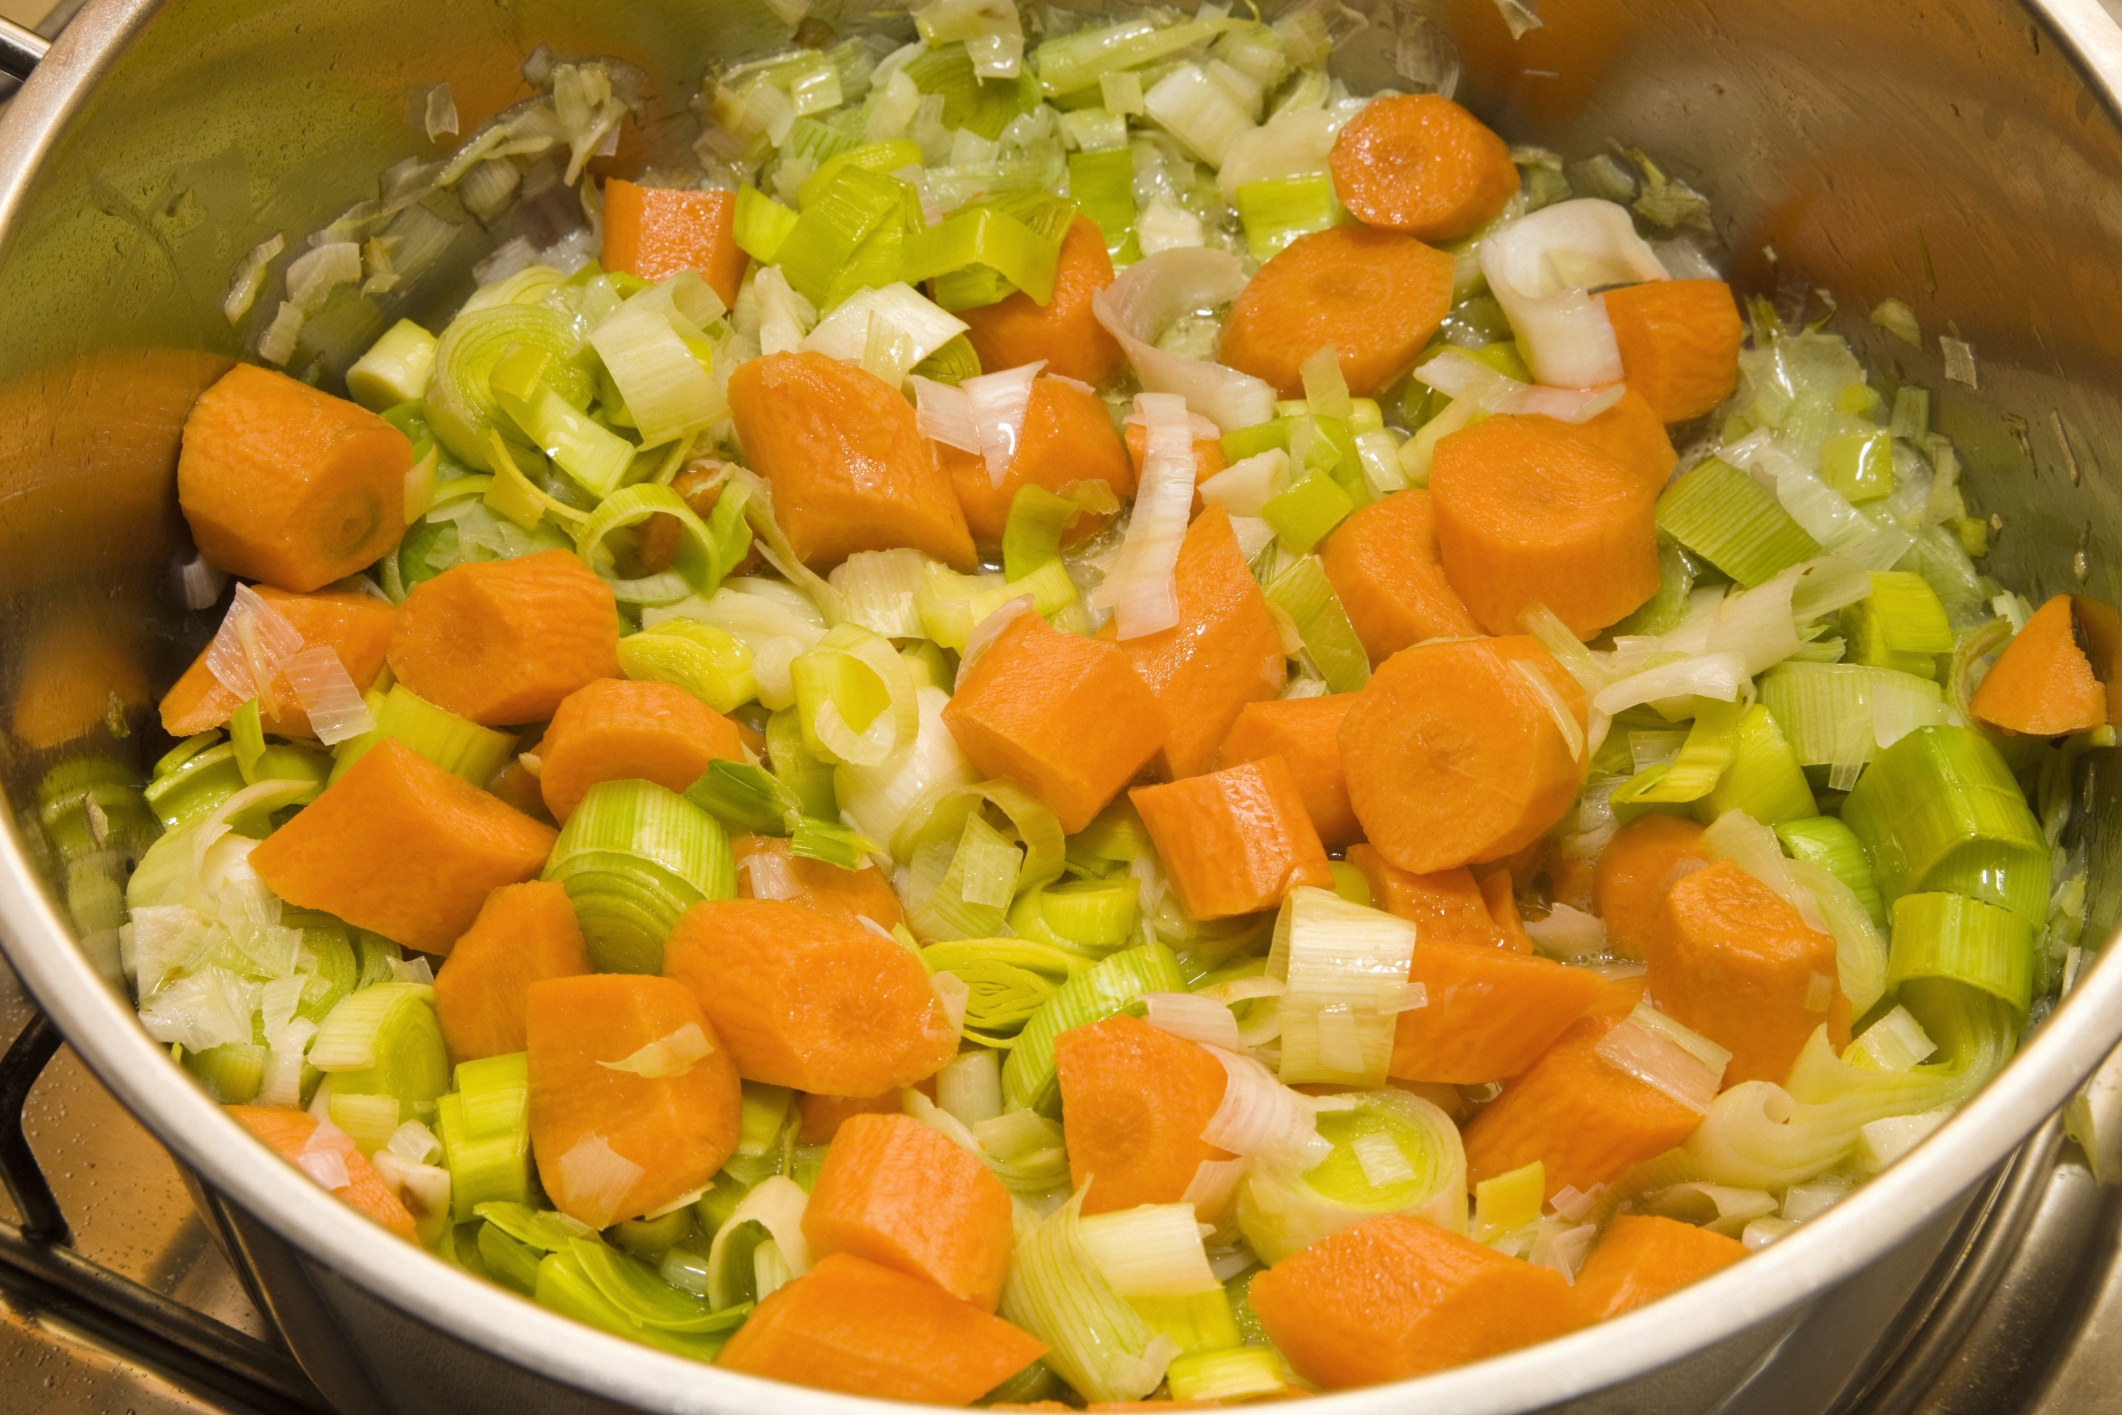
(598, 1180)
(249, 277)
(1569, 934)
(673, 1055)
(1714, 675)
(334, 706)
(250, 649)
(210, 1008)
(1245, 487)
(441, 111)
(1152, 293)
(312, 276)
(1260, 1115)
(785, 316)
(1541, 268)
(1151, 1250)
(1460, 375)
(1664, 1055)
(1213, 1183)
(845, 333)
(1565, 718)
(944, 414)
(1193, 1017)
(1142, 590)
(999, 402)
(276, 345)
(1164, 225)
(323, 1156)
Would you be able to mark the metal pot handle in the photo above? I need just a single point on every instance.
(20, 49)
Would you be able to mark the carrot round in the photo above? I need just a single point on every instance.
(1375, 296)
(1134, 1101)
(1067, 437)
(907, 1197)
(1641, 1258)
(285, 484)
(1679, 344)
(525, 933)
(1629, 432)
(357, 627)
(1445, 906)
(1499, 892)
(1634, 872)
(1528, 515)
(805, 1000)
(613, 729)
(402, 847)
(2042, 684)
(1234, 841)
(654, 232)
(1490, 1013)
(1305, 733)
(1454, 755)
(1064, 331)
(503, 641)
(1393, 1297)
(1732, 959)
(1384, 566)
(851, 1325)
(848, 465)
(848, 895)
(600, 1108)
(290, 1132)
(1421, 164)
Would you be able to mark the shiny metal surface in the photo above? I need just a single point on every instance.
(1961, 154)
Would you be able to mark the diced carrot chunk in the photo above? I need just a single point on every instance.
(1234, 841)
(357, 627)
(2042, 684)
(1641, 1258)
(1304, 732)
(1134, 1101)
(525, 933)
(1634, 872)
(1420, 163)
(1490, 1012)
(1067, 437)
(1446, 905)
(1063, 331)
(1375, 296)
(293, 1132)
(1679, 344)
(613, 729)
(655, 232)
(1384, 567)
(848, 895)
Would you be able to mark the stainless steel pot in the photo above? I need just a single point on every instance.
(1963, 155)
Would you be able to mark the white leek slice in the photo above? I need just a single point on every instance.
(875, 799)
(944, 413)
(1541, 269)
(1097, 1342)
(1156, 290)
(1666, 1056)
(1714, 675)
(1141, 590)
(1152, 1250)
(1259, 1115)
(1200, 112)
(673, 1055)
(1344, 971)
(1193, 1017)
(1246, 486)
(845, 333)
(313, 275)
(1293, 143)
(334, 706)
(879, 586)
(249, 276)
(1459, 374)
(598, 1180)
(999, 402)
(669, 393)
(254, 640)
(970, 1087)
(776, 1204)
(785, 317)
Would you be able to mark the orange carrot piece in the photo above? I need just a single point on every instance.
(1375, 296)
(1499, 893)
(673, 1131)
(74, 664)
(1064, 715)
(1446, 905)
(401, 847)
(655, 232)
(357, 627)
(805, 1000)
(1570, 880)
(1208, 453)
(515, 787)
(2042, 684)
(848, 895)
(699, 486)
(1454, 757)
(503, 641)
(1584, 1118)
(1421, 164)
(1304, 732)
(1383, 564)
(1641, 1258)
(820, 1117)
(1630, 433)
(1134, 1101)
(905, 1196)
(851, 1325)
(1016, 331)
(849, 467)
(285, 484)
(1236, 840)
(1224, 652)
(1067, 437)
(1679, 344)
(613, 729)
(1635, 870)
(525, 933)
(1528, 515)
(1393, 1297)
(290, 1133)
(1490, 1014)
(1734, 960)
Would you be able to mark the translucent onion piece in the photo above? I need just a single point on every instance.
(1153, 1250)
(1097, 1342)
(776, 1204)
(673, 1055)
(1569, 934)
(1196, 1018)
(1753, 847)
(845, 333)
(1344, 971)
(323, 1156)
(1213, 1183)
(248, 277)
(785, 316)
(878, 586)
(876, 800)
(945, 414)
(1541, 268)
(1459, 374)
(771, 875)
(1153, 292)
(1141, 590)
(312, 276)
(254, 640)
(1714, 675)
(334, 706)
(1667, 1057)
(1259, 1115)
(999, 402)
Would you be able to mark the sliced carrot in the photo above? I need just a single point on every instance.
(1641, 1258)
(1304, 732)
(820, 1117)
(1393, 1297)
(292, 1132)
(1455, 756)
(905, 1196)
(401, 847)
(614, 729)
(851, 1325)
(357, 627)
(805, 1000)
(1629, 432)
(1734, 960)
(1067, 437)
(1634, 872)
(1064, 715)
(1421, 164)
(617, 1135)
(1444, 906)
(1236, 840)
(2042, 684)
(1208, 453)
(1134, 1101)
(525, 933)
(503, 641)
(1063, 331)
(848, 465)
(1384, 566)
(285, 484)
(848, 895)
(655, 232)
(1585, 1119)
(1224, 652)
(1375, 296)
(1499, 893)
(74, 665)
(1490, 1013)
(1529, 515)
(1679, 344)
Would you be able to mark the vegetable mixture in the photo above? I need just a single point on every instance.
(1072, 728)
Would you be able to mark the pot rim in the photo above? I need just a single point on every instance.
(105, 1032)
